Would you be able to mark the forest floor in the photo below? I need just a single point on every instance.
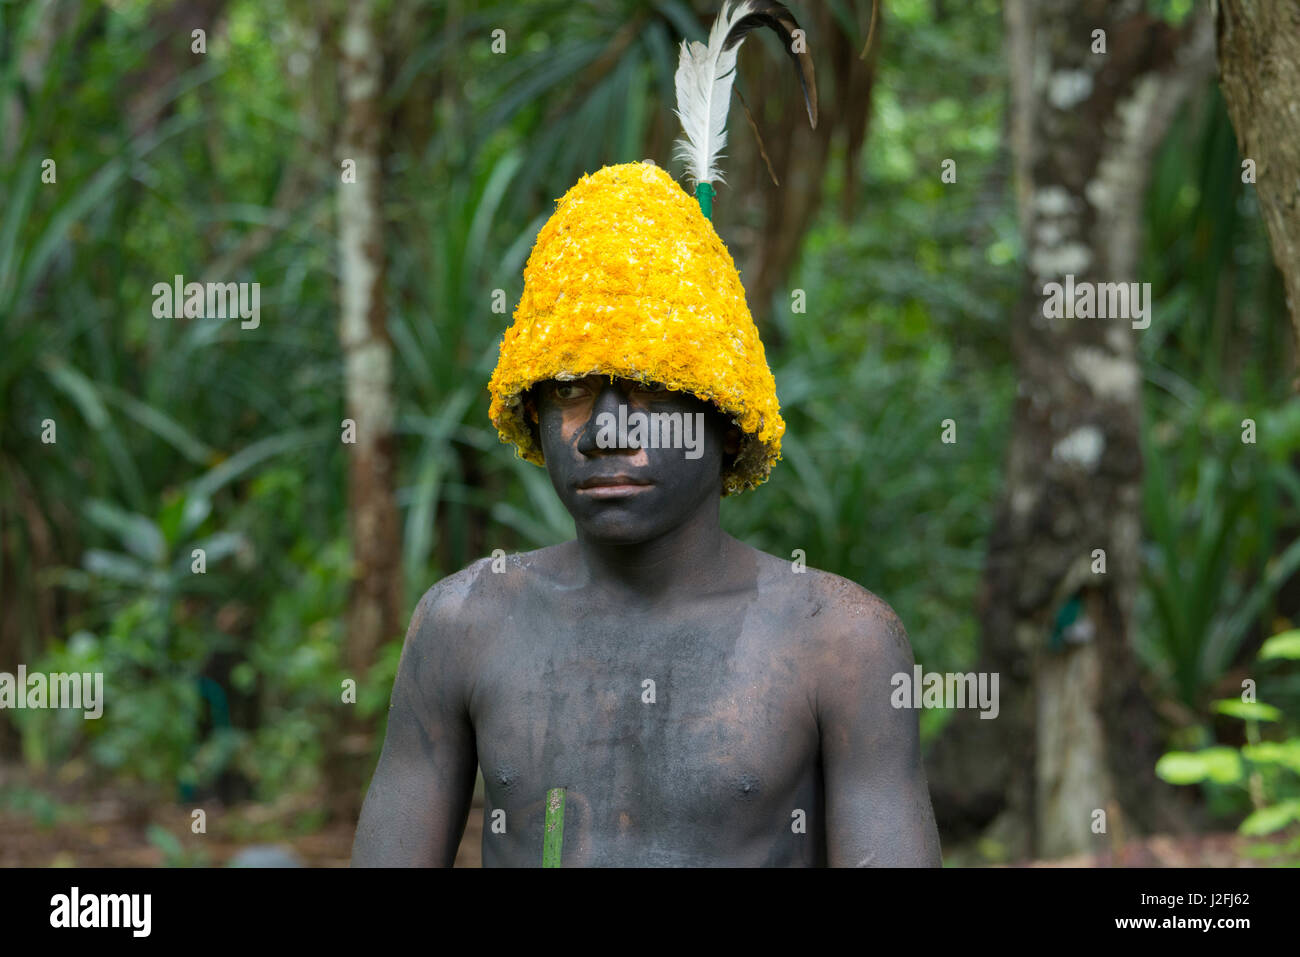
(41, 827)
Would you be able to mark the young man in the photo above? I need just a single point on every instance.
(701, 702)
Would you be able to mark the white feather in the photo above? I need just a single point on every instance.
(704, 78)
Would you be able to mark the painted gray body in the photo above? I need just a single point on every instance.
(770, 739)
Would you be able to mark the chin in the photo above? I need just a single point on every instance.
(621, 529)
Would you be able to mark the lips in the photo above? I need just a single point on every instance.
(603, 481)
(612, 486)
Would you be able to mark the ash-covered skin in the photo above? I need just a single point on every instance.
(567, 417)
(771, 688)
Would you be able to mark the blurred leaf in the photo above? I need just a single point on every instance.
(1248, 710)
(1267, 820)
(138, 534)
(122, 568)
(1284, 645)
(1220, 765)
(249, 457)
(1284, 753)
(218, 546)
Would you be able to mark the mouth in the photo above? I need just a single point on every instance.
(612, 486)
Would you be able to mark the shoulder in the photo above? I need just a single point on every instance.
(446, 601)
(858, 647)
(858, 617)
(454, 624)
(481, 593)
(835, 617)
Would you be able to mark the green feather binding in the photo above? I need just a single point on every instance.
(704, 193)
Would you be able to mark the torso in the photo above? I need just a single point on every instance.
(722, 767)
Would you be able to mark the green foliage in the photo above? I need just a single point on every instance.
(1221, 765)
(1267, 771)
(166, 722)
(45, 811)
(1285, 645)
(171, 436)
(1214, 509)
(175, 854)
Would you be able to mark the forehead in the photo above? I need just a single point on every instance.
(594, 381)
(598, 378)
(542, 391)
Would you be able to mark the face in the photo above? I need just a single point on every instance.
(629, 475)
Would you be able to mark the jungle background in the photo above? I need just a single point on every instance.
(919, 302)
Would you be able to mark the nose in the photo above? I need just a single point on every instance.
(607, 401)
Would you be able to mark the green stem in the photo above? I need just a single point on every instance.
(553, 842)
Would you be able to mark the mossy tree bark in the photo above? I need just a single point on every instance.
(1076, 734)
(1259, 70)
(374, 610)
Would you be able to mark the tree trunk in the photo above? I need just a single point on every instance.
(374, 611)
(1259, 70)
(1076, 734)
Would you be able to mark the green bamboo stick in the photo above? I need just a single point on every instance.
(553, 842)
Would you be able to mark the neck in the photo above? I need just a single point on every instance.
(683, 560)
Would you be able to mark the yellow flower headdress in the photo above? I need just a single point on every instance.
(628, 277)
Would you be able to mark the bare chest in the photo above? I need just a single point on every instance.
(669, 739)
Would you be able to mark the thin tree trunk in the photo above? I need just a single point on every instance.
(1259, 70)
(374, 612)
(149, 92)
(1076, 734)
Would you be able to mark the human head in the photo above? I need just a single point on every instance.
(628, 279)
(671, 447)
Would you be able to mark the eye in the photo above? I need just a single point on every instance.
(568, 390)
(653, 388)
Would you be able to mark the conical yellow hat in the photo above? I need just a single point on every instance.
(629, 279)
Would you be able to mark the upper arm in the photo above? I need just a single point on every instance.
(419, 797)
(878, 810)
